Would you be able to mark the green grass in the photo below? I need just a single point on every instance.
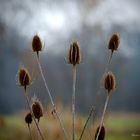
(118, 127)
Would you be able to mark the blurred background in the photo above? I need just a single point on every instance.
(58, 23)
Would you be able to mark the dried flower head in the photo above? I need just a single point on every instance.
(114, 42)
(102, 133)
(109, 81)
(74, 54)
(36, 44)
(24, 78)
(37, 109)
(28, 118)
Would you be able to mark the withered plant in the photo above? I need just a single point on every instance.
(74, 58)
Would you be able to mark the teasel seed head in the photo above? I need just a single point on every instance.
(24, 78)
(37, 109)
(102, 133)
(109, 82)
(74, 54)
(36, 44)
(28, 118)
(114, 42)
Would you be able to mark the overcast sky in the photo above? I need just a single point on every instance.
(54, 20)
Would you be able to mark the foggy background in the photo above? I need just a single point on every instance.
(58, 23)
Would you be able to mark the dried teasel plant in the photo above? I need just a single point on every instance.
(28, 120)
(24, 78)
(36, 44)
(101, 134)
(113, 44)
(37, 108)
(109, 81)
(36, 47)
(74, 57)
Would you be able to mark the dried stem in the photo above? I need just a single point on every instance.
(30, 132)
(28, 102)
(103, 115)
(51, 99)
(110, 57)
(73, 102)
(109, 61)
(91, 111)
(90, 133)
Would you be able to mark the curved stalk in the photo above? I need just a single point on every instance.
(51, 99)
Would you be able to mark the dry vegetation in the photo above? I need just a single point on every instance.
(57, 122)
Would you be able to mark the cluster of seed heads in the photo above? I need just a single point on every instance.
(37, 110)
(74, 57)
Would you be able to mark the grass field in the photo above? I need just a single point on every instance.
(118, 127)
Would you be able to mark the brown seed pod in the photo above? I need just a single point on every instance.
(114, 42)
(37, 109)
(74, 54)
(109, 81)
(24, 78)
(102, 133)
(36, 44)
(28, 118)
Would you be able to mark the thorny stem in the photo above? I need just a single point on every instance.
(103, 115)
(28, 102)
(91, 111)
(52, 102)
(73, 102)
(30, 132)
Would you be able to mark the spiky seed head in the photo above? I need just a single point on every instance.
(37, 109)
(28, 118)
(24, 78)
(74, 54)
(36, 44)
(109, 82)
(114, 42)
(102, 133)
